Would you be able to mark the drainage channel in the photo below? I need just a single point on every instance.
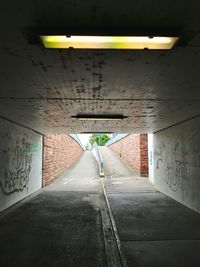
(113, 246)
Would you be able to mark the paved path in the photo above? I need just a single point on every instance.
(113, 165)
(62, 224)
(155, 230)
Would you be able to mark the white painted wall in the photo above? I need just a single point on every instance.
(177, 162)
(20, 163)
(151, 158)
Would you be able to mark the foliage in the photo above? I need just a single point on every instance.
(100, 139)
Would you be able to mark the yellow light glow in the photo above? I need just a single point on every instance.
(108, 42)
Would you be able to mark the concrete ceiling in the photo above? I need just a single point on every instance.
(42, 88)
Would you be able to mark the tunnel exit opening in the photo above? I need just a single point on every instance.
(63, 151)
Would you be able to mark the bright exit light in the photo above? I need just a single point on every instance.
(108, 42)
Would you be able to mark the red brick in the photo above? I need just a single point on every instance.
(60, 153)
(134, 150)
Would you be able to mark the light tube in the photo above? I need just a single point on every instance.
(108, 42)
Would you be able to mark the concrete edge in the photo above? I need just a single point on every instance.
(116, 139)
(77, 140)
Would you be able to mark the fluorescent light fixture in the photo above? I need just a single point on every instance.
(99, 117)
(108, 42)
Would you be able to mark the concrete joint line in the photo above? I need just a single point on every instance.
(110, 233)
(21, 125)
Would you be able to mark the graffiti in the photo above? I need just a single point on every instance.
(158, 155)
(174, 173)
(31, 147)
(176, 145)
(151, 158)
(15, 165)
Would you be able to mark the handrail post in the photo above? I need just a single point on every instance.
(97, 154)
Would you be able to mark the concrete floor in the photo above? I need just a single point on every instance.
(62, 224)
(155, 230)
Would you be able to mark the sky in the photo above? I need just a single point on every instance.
(84, 138)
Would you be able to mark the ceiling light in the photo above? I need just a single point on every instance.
(108, 42)
(99, 117)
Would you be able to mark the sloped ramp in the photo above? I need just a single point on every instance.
(119, 178)
(113, 165)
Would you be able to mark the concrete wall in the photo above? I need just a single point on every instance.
(151, 158)
(61, 151)
(20, 163)
(177, 162)
(133, 149)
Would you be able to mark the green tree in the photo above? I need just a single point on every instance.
(100, 139)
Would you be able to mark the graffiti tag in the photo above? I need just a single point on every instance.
(15, 166)
(174, 173)
(159, 156)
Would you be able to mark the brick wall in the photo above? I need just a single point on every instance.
(60, 152)
(144, 167)
(133, 149)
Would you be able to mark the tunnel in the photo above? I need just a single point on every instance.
(135, 200)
